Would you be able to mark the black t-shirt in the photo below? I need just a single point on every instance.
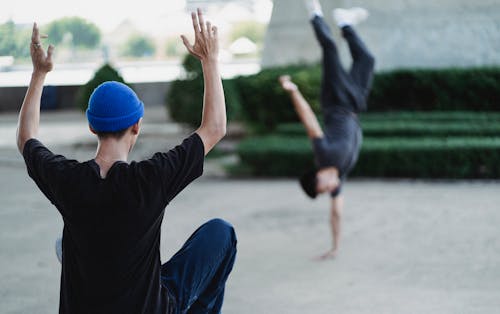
(340, 145)
(111, 238)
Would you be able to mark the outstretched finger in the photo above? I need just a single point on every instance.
(201, 21)
(50, 51)
(35, 35)
(186, 43)
(196, 26)
(209, 29)
(215, 31)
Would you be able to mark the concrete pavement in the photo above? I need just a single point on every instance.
(407, 247)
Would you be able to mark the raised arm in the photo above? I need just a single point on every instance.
(206, 49)
(29, 115)
(302, 108)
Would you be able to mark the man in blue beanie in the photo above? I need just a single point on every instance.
(113, 209)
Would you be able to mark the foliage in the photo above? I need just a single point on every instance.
(174, 47)
(454, 158)
(265, 104)
(438, 89)
(459, 157)
(139, 46)
(13, 40)
(397, 144)
(103, 74)
(185, 97)
(419, 124)
(83, 34)
(478, 89)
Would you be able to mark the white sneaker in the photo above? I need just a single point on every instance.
(314, 7)
(351, 16)
(59, 249)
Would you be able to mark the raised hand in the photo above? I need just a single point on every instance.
(287, 83)
(42, 61)
(206, 42)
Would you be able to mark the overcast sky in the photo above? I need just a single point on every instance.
(149, 15)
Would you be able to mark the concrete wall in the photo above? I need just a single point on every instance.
(11, 98)
(400, 33)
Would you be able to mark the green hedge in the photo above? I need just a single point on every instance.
(264, 105)
(413, 128)
(433, 116)
(476, 89)
(185, 97)
(461, 157)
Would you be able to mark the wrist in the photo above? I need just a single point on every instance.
(37, 74)
(210, 62)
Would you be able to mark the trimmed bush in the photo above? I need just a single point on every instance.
(185, 97)
(461, 157)
(265, 104)
(476, 89)
(456, 158)
(185, 101)
(423, 125)
(431, 116)
(103, 74)
(276, 155)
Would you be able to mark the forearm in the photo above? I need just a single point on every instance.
(306, 115)
(335, 220)
(29, 115)
(213, 123)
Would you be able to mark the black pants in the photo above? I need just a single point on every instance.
(339, 88)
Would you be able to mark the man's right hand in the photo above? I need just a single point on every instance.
(206, 42)
(287, 83)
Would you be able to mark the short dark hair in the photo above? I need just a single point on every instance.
(115, 134)
(308, 182)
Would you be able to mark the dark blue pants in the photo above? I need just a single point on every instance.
(348, 90)
(196, 275)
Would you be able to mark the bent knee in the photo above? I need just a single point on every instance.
(222, 230)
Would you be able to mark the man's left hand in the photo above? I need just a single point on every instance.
(42, 61)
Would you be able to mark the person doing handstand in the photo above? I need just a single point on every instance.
(343, 95)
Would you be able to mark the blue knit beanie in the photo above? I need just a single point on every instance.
(113, 106)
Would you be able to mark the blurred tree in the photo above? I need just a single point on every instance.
(83, 34)
(7, 40)
(139, 46)
(103, 74)
(13, 40)
(254, 31)
(174, 47)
